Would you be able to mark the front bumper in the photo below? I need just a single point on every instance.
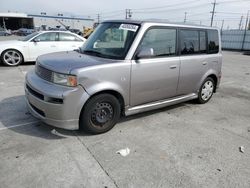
(55, 105)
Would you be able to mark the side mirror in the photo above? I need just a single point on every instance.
(36, 40)
(145, 53)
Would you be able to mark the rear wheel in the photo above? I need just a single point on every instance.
(11, 57)
(100, 114)
(206, 91)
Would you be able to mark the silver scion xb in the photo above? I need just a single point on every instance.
(124, 68)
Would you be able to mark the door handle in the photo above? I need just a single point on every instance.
(173, 67)
(204, 63)
(74, 46)
(53, 46)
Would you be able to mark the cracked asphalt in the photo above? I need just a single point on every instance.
(186, 145)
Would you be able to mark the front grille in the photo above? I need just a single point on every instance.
(35, 93)
(44, 73)
(37, 110)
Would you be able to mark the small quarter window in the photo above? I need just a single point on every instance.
(213, 41)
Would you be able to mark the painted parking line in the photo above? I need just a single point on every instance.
(226, 83)
(18, 125)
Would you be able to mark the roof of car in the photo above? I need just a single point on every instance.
(61, 32)
(55, 31)
(160, 21)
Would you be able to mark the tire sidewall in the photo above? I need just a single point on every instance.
(85, 122)
(200, 100)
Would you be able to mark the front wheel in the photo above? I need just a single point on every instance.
(100, 114)
(206, 91)
(12, 57)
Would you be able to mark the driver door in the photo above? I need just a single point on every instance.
(43, 44)
(155, 78)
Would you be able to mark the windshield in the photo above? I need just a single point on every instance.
(28, 37)
(111, 40)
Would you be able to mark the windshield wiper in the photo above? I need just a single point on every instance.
(93, 52)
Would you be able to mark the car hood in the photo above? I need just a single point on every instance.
(66, 62)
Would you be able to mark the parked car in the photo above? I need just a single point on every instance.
(23, 32)
(29, 48)
(4, 32)
(125, 67)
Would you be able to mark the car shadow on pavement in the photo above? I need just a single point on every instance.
(22, 64)
(160, 110)
(14, 116)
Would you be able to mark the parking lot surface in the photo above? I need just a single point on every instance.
(186, 145)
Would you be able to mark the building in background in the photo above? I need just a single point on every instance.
(14, 21)
(60, 21)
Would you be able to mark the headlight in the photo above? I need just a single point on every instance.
(64, 79)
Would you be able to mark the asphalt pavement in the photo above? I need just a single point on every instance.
(186, 145)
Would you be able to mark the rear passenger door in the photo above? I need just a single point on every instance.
(69, 42)
(155, 78)
(193, 58)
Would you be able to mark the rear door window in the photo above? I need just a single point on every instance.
(213, 41)
(67, 37)
(189, 42)
(203, 42)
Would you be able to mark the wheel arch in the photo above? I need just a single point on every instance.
(115, 93)
(210, 74)
(214, 77)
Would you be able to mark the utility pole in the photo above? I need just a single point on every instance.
(212, 18)
(222, 25)
(185, 17)
(244, 37)
(128, 14)
(240, 22)
(98, 18)
(4, 26)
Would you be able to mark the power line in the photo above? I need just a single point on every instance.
(233, 1)
(172, 9)
(228, 13)
(114, 15)
(166, 6)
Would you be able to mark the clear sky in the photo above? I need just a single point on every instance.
(197, 11)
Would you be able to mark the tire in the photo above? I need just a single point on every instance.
(100, 114)
(206, 91)
(11, 57)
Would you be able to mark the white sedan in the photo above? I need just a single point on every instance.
(29, 48)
